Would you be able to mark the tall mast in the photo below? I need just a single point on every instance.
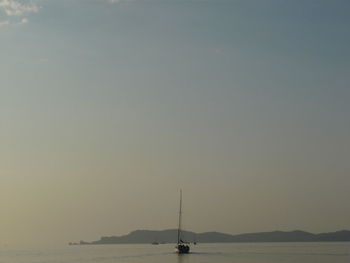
(180, 212)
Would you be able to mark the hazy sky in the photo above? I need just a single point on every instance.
(108, 108)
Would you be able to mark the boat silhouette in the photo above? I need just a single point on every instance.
(182, 247)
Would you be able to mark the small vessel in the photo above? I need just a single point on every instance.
(155, 242)
(182, 247)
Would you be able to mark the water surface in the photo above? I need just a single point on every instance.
(204, 253)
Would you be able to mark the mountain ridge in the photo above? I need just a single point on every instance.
(169, 236)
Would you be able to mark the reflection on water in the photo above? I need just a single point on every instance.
(182, 258)
(203, 253)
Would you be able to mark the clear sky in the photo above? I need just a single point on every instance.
(108, 108)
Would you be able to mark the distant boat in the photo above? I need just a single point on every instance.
(155, 242)
(182, 247)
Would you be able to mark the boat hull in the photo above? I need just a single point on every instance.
(182, 249)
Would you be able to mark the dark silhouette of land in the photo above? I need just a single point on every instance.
(169, 236)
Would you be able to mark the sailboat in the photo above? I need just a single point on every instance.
(182, 247)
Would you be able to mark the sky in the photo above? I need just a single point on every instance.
(108, 108)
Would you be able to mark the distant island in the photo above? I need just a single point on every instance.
(169, 236)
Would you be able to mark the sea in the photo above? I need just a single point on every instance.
(334, 252)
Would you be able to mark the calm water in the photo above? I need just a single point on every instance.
(218, 253)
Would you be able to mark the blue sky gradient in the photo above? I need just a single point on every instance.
(245, 100)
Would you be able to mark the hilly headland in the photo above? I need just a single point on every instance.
(169, 236)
